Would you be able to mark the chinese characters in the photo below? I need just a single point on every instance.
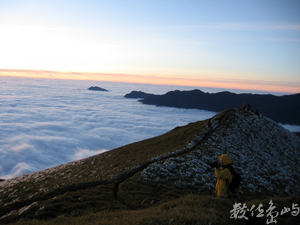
(239, 211)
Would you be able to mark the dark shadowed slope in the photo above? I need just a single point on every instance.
(157, 170)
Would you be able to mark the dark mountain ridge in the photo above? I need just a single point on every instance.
(153, 172)
(282, 109)
(138, 94)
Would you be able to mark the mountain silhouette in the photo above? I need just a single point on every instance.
(155, 171)
(282, 109)
(96, 88)
(138, 94)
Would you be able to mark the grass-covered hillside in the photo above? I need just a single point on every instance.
(167, 179)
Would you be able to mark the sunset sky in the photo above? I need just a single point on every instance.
(253, 45)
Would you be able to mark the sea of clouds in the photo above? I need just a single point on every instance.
(48, 122)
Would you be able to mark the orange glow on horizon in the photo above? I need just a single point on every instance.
(156, 80)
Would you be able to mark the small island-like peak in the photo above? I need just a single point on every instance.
(95, 88)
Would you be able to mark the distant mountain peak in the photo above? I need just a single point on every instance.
(96, 88)
(137, 94)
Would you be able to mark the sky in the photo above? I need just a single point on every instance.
(233, 44)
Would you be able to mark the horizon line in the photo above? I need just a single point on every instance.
(219, 83)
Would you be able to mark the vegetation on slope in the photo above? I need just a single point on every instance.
(190, 209)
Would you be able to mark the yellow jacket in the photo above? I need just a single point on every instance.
(223, 174)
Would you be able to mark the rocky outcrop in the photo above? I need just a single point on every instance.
(263, 152)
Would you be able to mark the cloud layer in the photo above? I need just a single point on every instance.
(47, 122)
(50, 122)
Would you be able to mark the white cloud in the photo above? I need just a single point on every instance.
(21, 148)
(84, 153)
(292, 128)
(19, 169)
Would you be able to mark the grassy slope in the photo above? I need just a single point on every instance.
(90, 184)
(186, 210)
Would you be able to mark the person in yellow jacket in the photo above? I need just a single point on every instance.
(223, 174)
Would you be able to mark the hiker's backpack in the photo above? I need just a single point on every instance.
(236, 180)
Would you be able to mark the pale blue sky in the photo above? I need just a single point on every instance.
(215, 43)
